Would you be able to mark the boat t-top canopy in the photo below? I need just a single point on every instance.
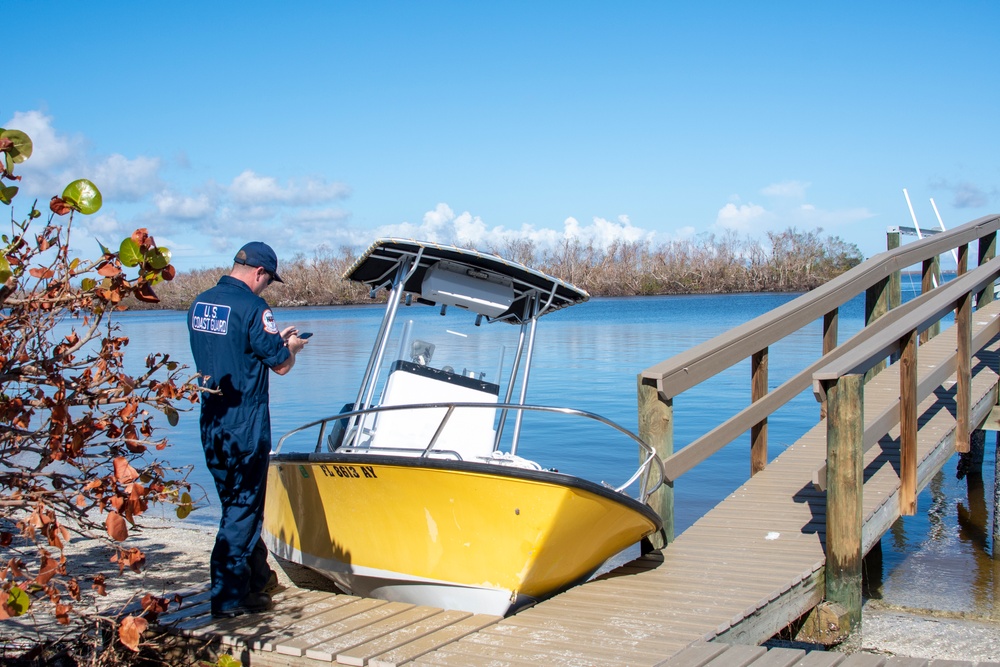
(442, 274)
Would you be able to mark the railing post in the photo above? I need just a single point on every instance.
(987, 251)
(895, 298)
(831, 322)
(758, 432)
(908, 424)
(963, 387)
(930, 277)
(876, 305)
(845, 479)
(892, 241)
(656, 428)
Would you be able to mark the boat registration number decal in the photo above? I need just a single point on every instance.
(349, 472)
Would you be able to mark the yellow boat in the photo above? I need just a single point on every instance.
(421, 496)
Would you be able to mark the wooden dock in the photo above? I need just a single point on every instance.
(743, 572)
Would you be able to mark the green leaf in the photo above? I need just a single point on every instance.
(88, 284)
(226, 660)
(159, 258)
(129, 252)
(5, 271)
(7, 193)
(22, 145)
(83, 196)
(18, 601)
(185, 507)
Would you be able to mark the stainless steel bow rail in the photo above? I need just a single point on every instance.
(650, 461)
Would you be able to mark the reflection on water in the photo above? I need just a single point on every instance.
(588, 357)
(942, 557)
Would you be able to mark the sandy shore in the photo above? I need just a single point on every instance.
(178, 552)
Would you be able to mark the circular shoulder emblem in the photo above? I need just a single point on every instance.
(268, 319)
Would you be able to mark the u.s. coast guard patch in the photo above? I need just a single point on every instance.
(210, 318)
(268, 319)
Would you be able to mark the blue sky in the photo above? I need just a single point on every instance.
(311, 123)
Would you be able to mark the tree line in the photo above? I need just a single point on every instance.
(787, 261)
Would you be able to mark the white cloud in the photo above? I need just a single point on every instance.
(205, 219)
(180, 207)
(104, 227)
(55, 161)
(787, 189)
(127, 180)
(50, 150)
(319, 215)
(442, 225)
(969, 195)
(742, 218)
(58, 159)
(252, 188)
(785, 209)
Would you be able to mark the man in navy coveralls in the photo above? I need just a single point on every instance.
(236, 342)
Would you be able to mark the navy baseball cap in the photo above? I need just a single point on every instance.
(259, 254)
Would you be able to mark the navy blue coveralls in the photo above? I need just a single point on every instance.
(236, 342)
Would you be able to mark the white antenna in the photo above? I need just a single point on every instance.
(954, 252)
(916, 226)
(913, 216)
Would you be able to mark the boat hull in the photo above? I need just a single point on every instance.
(453, 534)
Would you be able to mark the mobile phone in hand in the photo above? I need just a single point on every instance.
(304, 334)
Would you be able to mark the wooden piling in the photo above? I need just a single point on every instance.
(930, 277)
(892, 241)
(845, 477)
(758, 432)
(908, 424)
(831, 324)
(876, 305)
(656, 427)
(963, 372)
(987, 251)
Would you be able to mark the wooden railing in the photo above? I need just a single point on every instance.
(838, 376)
(878, 278)
(841, 384)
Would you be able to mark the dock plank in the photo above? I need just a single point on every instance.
(431, 641)
(378, 646)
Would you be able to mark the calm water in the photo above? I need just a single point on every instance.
(588, 357)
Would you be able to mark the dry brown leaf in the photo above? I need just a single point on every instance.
(116, 527)
(130, 631)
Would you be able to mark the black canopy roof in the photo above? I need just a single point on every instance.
(377, 268)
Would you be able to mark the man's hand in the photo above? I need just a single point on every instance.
(294, 344)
